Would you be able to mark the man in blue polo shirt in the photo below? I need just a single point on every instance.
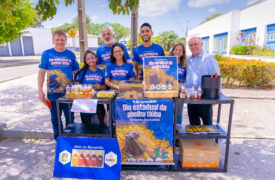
(146, 49)
(103, 53)
(199, 64)
(59, 63)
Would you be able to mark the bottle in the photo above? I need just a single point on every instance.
(85, 91)
(68, 91)
(199, 96)
(90, 91)
(76, 92)
(192, 93)
(73, 92)
(81, 92)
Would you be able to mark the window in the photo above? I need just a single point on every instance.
(271, 36)
(248, 36)
(220, 43)
(216, 44)
(205, 45)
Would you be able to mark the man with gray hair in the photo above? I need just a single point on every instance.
(103, 53)
(199, 64)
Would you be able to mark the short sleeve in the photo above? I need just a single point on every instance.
(135, 57)
(127, 57)
(132, 72)
(78, 77)
(108, 71)
(98, 54)
(103, 78)
(44, 61)
(161, 51)
(75, 63)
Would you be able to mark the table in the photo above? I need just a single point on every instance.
(222, 135)
(79, 129)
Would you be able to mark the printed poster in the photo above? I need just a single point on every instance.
(144, 130)
(160, 74)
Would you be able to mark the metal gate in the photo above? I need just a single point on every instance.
(28, 45)
(16, 48)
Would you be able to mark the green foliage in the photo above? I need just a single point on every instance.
(263, 51)
(247, 73)
(120, 31)
(243, 50)
(47, 8)
(168, 39)
(15, 16)
(219, 57)
(122, 6)
(211, 17)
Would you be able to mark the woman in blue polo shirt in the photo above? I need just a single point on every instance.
(179, 51)
(118, 69)
(90, 74)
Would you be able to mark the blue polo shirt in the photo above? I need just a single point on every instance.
(117, 73)
(60, 67)
(181, 73)
(91, 77)
(140, 52)
(103, 54)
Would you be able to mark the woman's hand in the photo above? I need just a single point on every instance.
(97, 86)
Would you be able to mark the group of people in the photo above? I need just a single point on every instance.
(111, 63)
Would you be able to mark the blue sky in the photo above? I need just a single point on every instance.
(163, 15)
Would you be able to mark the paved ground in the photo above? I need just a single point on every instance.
(252, 150)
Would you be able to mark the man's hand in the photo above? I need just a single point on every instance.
(41, 96)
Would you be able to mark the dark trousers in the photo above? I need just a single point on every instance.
(87, 118)
(200, 111)
(62, 108)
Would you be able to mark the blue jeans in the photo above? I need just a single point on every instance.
(62, 107)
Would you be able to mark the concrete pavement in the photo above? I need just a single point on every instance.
(252, 147)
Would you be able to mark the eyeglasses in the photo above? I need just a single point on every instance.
(119, 51)
(93, 58)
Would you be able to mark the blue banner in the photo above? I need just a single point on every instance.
(87, 158)
(144, 130)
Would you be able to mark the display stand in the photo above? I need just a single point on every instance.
(222, 135)
(79, 129)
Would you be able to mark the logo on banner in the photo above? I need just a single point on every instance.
(111, 159)
(64, 157)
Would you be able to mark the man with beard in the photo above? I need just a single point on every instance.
(146, 49)
(103, 53)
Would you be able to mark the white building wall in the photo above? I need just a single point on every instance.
(92, 42)
(218, 25)
(259, 16)
(42, 39)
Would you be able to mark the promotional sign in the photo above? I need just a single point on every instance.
(160, 74)
(84, 105)
(144, 130)
(87, 158)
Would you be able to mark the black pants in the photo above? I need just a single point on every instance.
(86, 118)
(197, 111)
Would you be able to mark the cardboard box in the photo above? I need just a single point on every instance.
(131, 90)
(131, 95)
(199, 153)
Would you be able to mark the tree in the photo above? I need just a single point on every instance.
(47, 8)
(15, 16)
(168, 39)
(211, 17)
(120, 31)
